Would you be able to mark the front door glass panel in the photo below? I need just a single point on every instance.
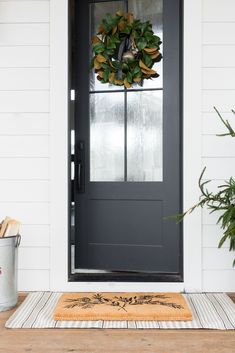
(126, 127)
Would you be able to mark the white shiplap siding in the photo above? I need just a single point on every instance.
(24, 133)
(218, 153)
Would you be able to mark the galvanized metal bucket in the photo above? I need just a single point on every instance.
(8, 271)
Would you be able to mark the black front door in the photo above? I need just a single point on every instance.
(128, 151)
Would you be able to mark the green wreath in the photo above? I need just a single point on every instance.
(125, 50)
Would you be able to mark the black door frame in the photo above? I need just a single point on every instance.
(124, 276)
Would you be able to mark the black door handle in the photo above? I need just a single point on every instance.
(79, 175)
(80, 167)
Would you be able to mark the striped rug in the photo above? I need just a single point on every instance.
(210, 311)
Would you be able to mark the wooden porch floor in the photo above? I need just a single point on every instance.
(113, 341)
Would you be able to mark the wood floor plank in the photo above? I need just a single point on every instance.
(113, 341)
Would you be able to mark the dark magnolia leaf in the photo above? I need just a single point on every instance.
(127, 30)
(136, 70)
(111, 20)
(101, 73)
(100, 29)
(109, 52)
(112, 77)
(129, 77)
(149, 72)
(95, 40)
(121, 25)
(120, 13)
(156, 39)
(111, 45)
(137, 79)
(111, 63)
(148, 36)
(105, 66)
(130, 18)
(126, 83)
(142, 27)
(106, 26)
(157, 56)
(106, 75)
(100, 58)
(98, 48)
(143, 66)
(118, 82)
(151, 50)
(97, 64)
(116, 64)
(135, 35)
(147, 59)
(115, 39)
(141, 43)
(125, 67)
(114, 29)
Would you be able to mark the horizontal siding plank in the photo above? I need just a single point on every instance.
(24, 168)
(26, 213)
(24, 101)
(222, 57)
(24, 11)
(210, 218)
(219, 168)
(24, 191)
(24, 79)
(211, 236)
(24, 56)
(218, 78)
(33, 258)
(211, 123)
(33, 280)
(218, 10)
(24, 124)
(218, 33)
(218, 281)
(223, 100)
(217, 259)
(214, 184)
(24, 34)
(214, 146)
(24, 146)
(35, 235)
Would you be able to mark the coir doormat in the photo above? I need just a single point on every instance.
(122, 306)
(209, 311)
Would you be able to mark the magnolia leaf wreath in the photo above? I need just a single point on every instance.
(125, 50)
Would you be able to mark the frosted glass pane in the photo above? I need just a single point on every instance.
(107, 137)
(98, 11)
(144, 136)
(151, 10)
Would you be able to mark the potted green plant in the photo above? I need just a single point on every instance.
(223, 200)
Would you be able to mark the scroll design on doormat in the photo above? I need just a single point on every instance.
(120, 302)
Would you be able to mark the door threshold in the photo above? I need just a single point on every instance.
(80, 275)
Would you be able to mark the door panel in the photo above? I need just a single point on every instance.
(144, 230)
(128, 152)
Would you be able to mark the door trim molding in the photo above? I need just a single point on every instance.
(192, 142)
(59, 152)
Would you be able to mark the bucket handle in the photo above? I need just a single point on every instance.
(18, 240)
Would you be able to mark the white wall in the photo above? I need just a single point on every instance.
(218, 153)
(25, 134)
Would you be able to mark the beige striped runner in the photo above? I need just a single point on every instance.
(210, 311)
